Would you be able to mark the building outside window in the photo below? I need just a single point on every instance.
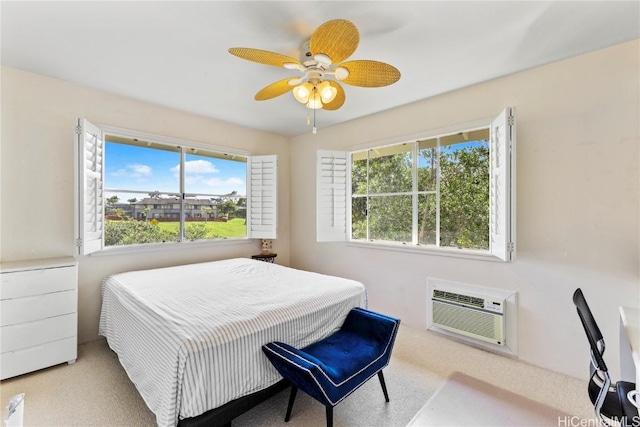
(137, 189)
(149, 176)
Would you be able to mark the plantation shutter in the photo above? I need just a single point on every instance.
(89, 151)
(502, 184)
(331, 191)
(262, 205)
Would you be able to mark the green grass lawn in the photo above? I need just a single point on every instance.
(235, 227)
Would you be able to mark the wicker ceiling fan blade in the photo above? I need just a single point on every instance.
(338, 100)
(274, 89)
(366, 73)
(337, 39)
(262, 56)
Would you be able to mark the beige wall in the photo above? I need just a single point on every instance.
(577, 194)
(38, 118)
(577, 203)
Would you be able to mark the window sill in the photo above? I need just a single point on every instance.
(450, 252)
(160, 247)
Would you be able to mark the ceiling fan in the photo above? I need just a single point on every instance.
(322, 56)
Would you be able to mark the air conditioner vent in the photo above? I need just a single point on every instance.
(469, 315)
(459, 298)
(481, 316)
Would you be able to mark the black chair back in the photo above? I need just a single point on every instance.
(608, 400)
(596, 341)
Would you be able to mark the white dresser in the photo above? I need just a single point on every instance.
(38, 314)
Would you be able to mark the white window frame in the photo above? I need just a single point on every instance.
(502, 195)
(89, 211)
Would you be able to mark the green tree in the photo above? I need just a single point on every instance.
(132, 232)
(464, 196)
(112, 200)
(109, 204)
(145, 211)
(207, 211)
(427, 181)
(227, 208)
(242, 208)
(196, 230)
(389, 215)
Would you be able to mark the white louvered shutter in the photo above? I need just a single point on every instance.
(89, 189)
(331, 209)
(262, 205)
(502, 197)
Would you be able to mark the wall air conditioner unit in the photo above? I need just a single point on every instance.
(474, 315)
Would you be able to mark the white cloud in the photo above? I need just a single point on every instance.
(134, 171)
(142, 170)
(223, 186)
(196, 179)
(197, 167)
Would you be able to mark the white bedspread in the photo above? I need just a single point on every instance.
(190, 336)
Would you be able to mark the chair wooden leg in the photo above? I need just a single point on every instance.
(292, 398)
(329, 416)
(384, 386)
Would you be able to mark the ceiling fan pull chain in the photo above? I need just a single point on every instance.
(315, 129)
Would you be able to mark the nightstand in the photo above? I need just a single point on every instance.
(265, 258)
(39, 305)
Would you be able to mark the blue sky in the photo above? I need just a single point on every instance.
(422, 162)
(143, 169)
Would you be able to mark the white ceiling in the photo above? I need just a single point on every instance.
(175, 53)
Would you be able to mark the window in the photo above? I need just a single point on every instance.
(138, 189)
(447, 192)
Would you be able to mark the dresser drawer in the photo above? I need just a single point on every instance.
(23, 335)
(14, 363)
(34, 282)
(20, 310)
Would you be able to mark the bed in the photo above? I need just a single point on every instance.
(190, 336)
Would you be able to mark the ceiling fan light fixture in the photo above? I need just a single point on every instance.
(314, 104)
(327, 92)
(315, 101)
(302, 92)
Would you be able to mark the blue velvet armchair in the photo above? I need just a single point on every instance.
(331, 369)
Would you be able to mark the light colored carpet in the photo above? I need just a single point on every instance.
(484, 404)
(95, 391)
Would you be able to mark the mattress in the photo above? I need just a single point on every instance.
(190, 337)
